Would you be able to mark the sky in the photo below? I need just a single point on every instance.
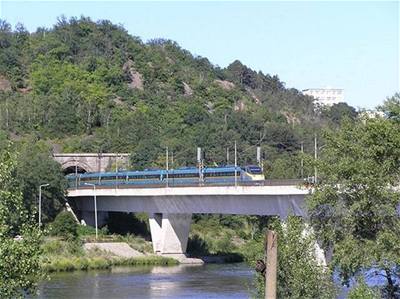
(308, 44)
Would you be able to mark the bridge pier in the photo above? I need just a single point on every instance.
(88, 218)
(169, 232)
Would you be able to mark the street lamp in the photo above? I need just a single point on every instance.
(95, 205)
(40, 203)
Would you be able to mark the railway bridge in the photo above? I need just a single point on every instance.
(170, 209)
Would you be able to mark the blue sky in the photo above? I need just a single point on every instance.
(350, 45)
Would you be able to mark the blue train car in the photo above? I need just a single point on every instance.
(175, 177)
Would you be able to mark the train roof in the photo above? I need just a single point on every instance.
(184, 170)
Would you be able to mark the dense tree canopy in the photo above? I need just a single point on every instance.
(354, 208)
(91, 87)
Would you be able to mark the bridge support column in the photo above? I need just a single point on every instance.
(170, 232)
(88, 218)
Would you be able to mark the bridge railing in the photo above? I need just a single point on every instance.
(172, 184)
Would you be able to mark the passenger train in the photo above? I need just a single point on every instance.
(175, 177)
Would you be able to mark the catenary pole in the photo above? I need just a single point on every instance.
(235, 164)
(166, 158)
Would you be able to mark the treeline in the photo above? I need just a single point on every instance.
(91, 87)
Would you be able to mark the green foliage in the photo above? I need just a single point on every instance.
(391, 107)
(95, 88)
(354, 209)
(217, 234)
(35, 167)
(339, 112)
(362, 291)
(59, 255)
(299, 273)
(64, 225)
(58, 247)
(19, 257)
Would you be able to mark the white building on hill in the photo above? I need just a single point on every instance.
(326, 96)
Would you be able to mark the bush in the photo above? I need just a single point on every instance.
(65, 226)
(362, 291)
(300, 275)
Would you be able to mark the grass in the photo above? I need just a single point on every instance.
(91, 263)
(60, 255)
(87, 234)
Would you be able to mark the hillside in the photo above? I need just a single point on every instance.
(91, 87)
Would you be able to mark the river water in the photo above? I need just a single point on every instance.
(183, 281)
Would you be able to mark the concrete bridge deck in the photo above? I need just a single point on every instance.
(170, 209)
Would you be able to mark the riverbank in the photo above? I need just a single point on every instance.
(83, 250)
(61, 255)
(72, 255)
(97, 263)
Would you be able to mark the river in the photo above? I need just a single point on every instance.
(183, 281)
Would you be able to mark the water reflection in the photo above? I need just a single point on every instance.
(200, 281)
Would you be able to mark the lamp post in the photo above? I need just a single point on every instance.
(95, 205)
(40, 203)
(235, 165)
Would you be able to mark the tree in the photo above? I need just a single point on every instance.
(338, 112)
(391, 107)
(19, 257)
(299, 273)
(354, 206)
(35, 167)
(65, 225)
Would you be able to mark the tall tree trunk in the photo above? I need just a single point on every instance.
(88, 121)
(390, 287)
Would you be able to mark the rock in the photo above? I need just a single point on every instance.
(135, 76)
(227, 85)
(5, 85)
(25, 90)
(254, 96)
(291, 118)
(188, 91)
(117, 101)
(239, 106)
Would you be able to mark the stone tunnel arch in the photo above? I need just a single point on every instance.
(73, 166)
(89, 162)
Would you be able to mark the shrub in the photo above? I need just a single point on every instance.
(65, 226)
(362, 291)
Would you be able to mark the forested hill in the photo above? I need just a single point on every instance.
(91, 87)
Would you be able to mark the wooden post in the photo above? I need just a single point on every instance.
(271, 262)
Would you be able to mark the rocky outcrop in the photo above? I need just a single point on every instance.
(227, 85)
(254, 96)
(291, 118)
(5, 85)
(136, 80)
(188, 91)
(239, 106)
